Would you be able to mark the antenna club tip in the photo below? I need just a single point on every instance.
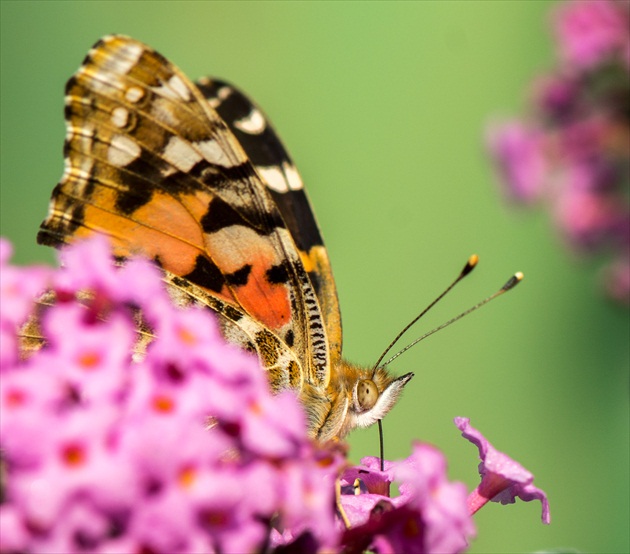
(512, 281)
(470, 264)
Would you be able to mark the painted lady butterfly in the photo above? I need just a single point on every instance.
(193, 177)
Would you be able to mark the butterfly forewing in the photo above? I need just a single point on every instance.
(266, 152)
(152, 165)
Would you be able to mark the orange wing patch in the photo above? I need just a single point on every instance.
(254, 272)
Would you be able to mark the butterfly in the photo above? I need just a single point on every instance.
(192, 176)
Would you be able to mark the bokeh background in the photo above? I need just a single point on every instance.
(383, 107)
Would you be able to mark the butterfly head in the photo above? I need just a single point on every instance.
(374, 396)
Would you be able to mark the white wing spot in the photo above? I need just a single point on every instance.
(71, 99)
(69, 133)
(128, 56)
(274, 178)
(222, 94)
(179, 87)
(293, 177)
(85, 136)
(173, 89)
(122, 151)
(180, 154)
(99, 80)
(67, 167)
(120, 117)
(281, 179)
(77, 170)
(134, 94)
(254, 123)
(248, 241)
(214, 153)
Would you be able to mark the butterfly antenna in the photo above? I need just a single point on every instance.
(470, 265)
(510, 284)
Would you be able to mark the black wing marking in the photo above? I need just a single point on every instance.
(272, 162)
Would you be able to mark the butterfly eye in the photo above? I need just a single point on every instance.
(367, 394)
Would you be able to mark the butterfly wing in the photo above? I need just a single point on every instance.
(150, 164)
(266, 152)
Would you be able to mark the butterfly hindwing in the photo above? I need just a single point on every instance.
(152, 165)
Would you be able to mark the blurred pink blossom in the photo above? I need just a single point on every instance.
(573, 150)
(519, 153)
(590, 32)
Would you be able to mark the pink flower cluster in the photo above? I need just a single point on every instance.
(429, 515)
(183, 448)
(106, 455)
(573, 151)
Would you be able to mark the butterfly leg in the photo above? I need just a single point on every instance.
(340, 510)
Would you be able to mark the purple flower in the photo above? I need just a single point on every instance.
(90, 266)
(590, 32)
(164, 524)
(519, 153)
(429, 515)
(585, 142)
(13, 533)
(557, 96)
(389, 530)
(28, 397)
(448, 525)
(366, 489)
(588, 220)
(95, 441)
(502, 479)
(308, 494)
(76, 458)
(18, 288)
(95, 364)
(273, 426)
(371, 479)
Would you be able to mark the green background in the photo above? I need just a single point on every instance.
(383, 107)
